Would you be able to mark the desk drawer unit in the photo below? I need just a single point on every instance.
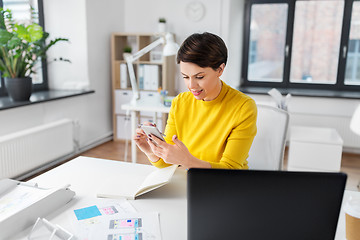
(314, 149)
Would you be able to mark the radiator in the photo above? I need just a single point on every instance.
(29, 149)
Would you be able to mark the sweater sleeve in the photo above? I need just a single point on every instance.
(170, 130)
(240, 139)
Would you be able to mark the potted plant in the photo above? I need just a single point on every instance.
(162, 25)
(21, 46)
(127, 52)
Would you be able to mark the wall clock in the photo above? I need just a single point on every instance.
(195, 11)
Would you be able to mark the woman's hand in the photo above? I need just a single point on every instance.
(141, 141)
(175, 154)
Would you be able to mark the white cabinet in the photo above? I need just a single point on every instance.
(121, 97)
(314, 149)
(123, 128)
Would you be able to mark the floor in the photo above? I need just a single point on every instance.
(115, 151)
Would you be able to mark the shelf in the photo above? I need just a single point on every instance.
(140, 62)
(150, 63)
(166, 67)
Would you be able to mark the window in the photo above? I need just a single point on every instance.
(267, 37)
(22, 11)
(302, 44)
(352, 71)
(253, 51)
(316, 41)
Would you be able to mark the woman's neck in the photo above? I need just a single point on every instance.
(219, 87)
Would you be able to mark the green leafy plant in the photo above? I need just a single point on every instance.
(127, 49)
(22, 46)
(162, 20)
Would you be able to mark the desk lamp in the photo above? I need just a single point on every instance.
(170, 48)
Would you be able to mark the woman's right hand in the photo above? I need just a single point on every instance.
(141, 141)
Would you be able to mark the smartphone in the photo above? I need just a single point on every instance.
(152, 130)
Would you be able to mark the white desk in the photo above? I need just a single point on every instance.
(143, 104)
(87, 174)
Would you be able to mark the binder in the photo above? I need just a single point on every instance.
(147, 77)
(151, 77)
(154, 77)
(141, 76)
(22, 203)
(123, 76)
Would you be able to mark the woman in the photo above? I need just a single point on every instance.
(210, 126)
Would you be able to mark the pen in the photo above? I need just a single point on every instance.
(28, 184)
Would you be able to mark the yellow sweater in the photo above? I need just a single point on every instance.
(220, 131)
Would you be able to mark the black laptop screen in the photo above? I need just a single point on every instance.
(248, 204)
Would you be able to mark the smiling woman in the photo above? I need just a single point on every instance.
(200, 81)
(210, 126)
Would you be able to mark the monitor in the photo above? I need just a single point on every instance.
(253, 204)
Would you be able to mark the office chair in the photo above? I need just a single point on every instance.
(355, 127)
(267, 150)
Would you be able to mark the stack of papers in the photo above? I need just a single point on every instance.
(114, 219)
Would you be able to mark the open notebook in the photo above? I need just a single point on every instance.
(138, 180)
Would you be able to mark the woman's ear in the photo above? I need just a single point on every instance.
(220, 69)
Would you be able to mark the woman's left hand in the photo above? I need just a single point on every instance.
(172, 154)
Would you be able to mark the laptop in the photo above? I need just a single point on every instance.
(251, 204)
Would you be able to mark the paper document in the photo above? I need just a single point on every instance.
(135, 183)
(114, 223)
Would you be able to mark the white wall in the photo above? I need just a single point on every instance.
(72, 25)
(231, 31)
(138, 18)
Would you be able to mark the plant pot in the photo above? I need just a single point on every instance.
(126, 55)
(19, 89)
(161, 27)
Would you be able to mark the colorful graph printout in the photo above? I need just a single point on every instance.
(125, 223)
(134, 236)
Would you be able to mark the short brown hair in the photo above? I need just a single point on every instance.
(203, 49)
